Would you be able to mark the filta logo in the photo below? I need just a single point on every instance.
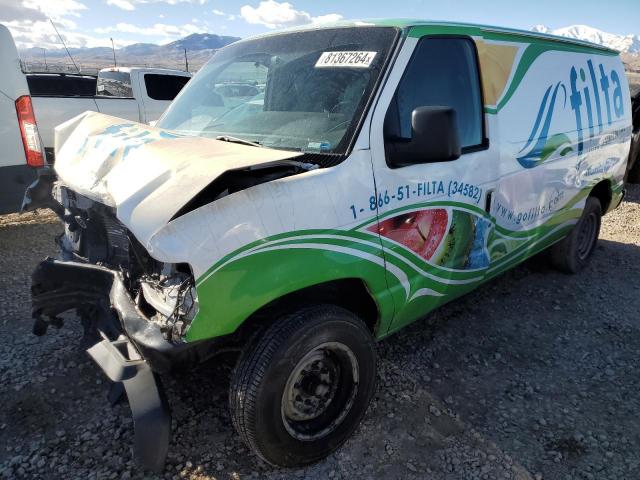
(593, 89)
(595, 98)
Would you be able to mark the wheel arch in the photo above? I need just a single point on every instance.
(254, 286)
(604, 193)
(351, 294)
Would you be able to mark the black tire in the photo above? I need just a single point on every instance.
(571, 254)
(268, 385)
(634, 159)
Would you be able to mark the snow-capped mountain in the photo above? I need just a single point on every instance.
(623, 43)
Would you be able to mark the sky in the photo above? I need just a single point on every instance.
(91, 23)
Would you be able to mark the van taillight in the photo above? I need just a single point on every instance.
(29, 132)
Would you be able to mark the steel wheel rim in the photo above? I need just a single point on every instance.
(320, 391)
(587, 235)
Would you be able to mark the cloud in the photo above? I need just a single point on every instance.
(39, 10)
(122, 4)
(273, 14)
(40, 34)
(168, 32)
(329, 18)
(218, 12)
(56, 9)
(131, 4)
(28, 21)
(173, 2)
(10, 10)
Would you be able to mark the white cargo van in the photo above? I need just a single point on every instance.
(376, 171)
(137, 94)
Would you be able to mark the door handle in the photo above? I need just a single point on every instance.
(487, 200)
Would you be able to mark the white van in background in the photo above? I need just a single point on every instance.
(28, 120)
(20, 144)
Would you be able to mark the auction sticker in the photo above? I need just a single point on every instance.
(346, 59)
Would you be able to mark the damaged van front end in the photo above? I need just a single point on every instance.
(182, 240)
(119, 186)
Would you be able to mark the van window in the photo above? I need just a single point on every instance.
(442, 71)
(164, 87)
(114, 84)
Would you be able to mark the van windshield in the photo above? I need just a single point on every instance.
(303, 91)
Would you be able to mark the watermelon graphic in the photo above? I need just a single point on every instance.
(449, 238)
(420, 231)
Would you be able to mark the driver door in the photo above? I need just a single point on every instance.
(432, 218)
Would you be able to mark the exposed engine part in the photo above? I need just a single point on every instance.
(173, 297)
(94, 235)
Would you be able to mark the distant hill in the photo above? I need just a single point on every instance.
(200, 47)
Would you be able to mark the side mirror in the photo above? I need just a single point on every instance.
(434, 138)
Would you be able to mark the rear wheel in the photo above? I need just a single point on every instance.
(302, 388)
(571, 254)
(634, 158)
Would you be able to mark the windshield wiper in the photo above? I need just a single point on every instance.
(241, 141)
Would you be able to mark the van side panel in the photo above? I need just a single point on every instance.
(564, 125)
(558, 122)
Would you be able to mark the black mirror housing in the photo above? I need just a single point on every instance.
(434, 138)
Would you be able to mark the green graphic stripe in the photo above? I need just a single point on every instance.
(532, 249)
(240, 287)
(558, 217)
(404, 257)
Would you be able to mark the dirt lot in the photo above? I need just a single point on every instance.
(533, 376)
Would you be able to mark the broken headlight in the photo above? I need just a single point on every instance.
(169, 299)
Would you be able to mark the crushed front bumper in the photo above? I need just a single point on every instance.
(129, 348)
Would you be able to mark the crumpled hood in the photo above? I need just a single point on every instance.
(146, 173)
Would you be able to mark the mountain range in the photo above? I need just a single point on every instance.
(623, 43)
(199, 46)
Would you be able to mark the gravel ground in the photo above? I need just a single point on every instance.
(532, 376)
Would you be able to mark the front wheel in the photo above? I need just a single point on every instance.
(571, 254)
(301, 389)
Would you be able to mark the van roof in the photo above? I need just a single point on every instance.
(458, 27)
